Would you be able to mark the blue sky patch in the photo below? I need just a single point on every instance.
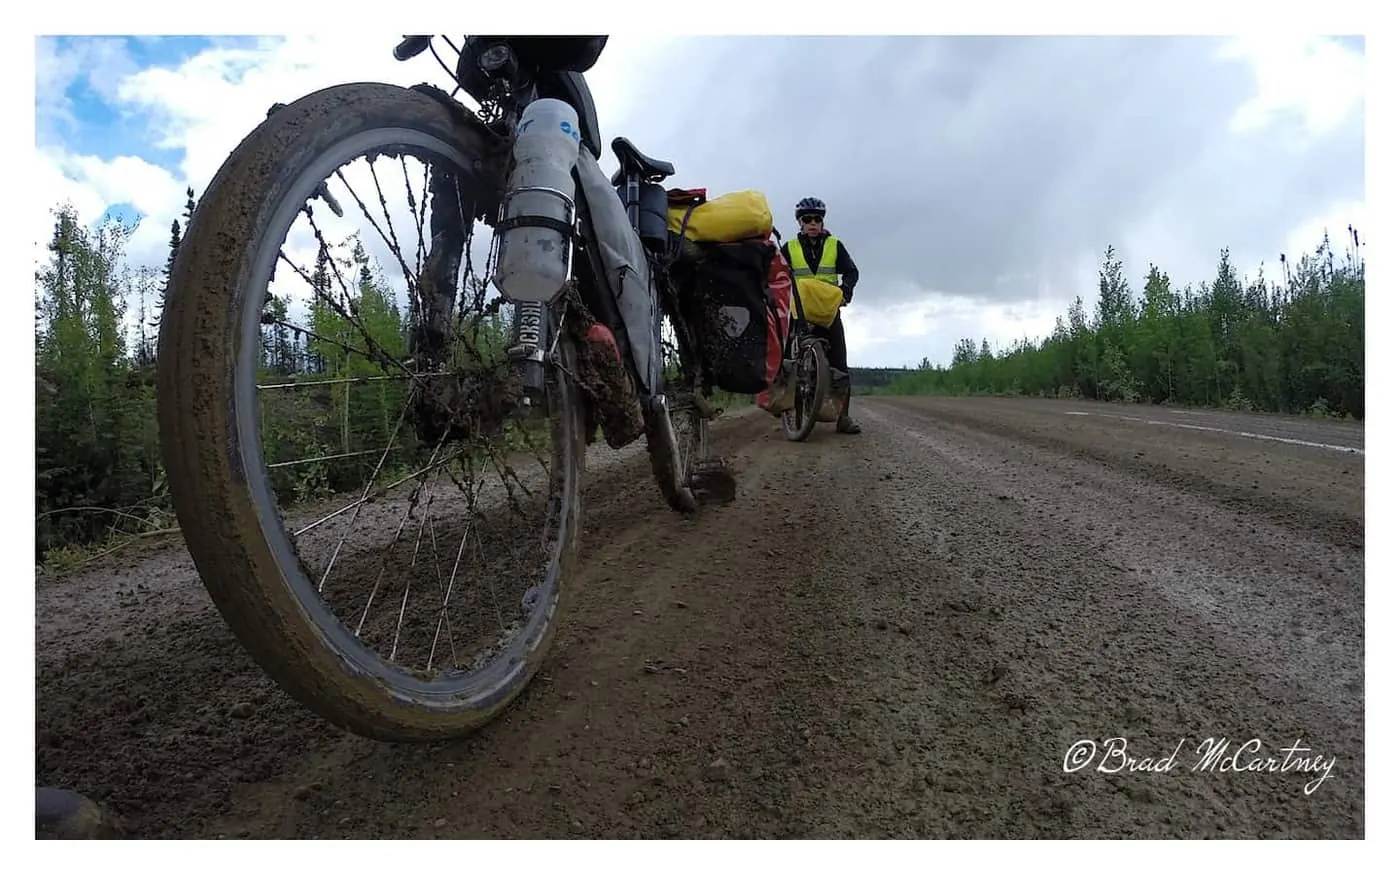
(97, 126)
(126, 214)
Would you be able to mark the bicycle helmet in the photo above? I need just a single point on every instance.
(809, 205)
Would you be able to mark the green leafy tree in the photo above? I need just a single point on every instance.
(1295, 347)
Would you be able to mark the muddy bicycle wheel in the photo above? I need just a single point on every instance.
(440, 612)
(682, 425)
(813, 382)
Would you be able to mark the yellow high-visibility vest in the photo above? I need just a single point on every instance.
(826, 266)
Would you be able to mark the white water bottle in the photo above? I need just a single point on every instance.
(532, 261)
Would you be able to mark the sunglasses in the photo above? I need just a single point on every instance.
(814, 220)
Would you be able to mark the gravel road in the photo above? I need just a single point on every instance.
(906, 633)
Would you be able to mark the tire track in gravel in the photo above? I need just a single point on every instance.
(677, 703)
(1051, 596)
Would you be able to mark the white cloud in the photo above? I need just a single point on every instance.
(206, 105)
(128, 180)
(54, 186)
(929, 324)
(1313, 78)
(1334, 221)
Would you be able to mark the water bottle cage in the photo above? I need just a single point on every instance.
(562, 227)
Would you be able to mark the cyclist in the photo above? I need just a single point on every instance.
(815, 252)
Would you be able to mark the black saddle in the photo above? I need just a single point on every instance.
(629, 157)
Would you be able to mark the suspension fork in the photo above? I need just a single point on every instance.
(531, 332)
(534, 332)
(437, 285)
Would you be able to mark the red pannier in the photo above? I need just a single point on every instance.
(780, 294)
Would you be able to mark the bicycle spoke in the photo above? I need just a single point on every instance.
(363, 500)
(437, 569)
(408, 512)
(452, 580)
(407, 274)
(379, 493)
(419, 213)
(340, 381)
(311, 460)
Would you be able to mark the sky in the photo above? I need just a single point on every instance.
(976, 181)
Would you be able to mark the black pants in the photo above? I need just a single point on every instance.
(836, 342)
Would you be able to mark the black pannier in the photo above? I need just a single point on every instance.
(723, 291)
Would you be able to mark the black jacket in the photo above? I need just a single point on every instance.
(812, 252)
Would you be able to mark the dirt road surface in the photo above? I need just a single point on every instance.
(899, 634)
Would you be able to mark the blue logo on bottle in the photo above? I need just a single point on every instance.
(568, 129)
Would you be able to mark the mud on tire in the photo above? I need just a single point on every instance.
(214, 467)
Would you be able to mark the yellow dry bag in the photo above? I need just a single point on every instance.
(820, 300)
(727, 218)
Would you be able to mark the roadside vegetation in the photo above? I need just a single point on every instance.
(99, 480)
(1298, 347)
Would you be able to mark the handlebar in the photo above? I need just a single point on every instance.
(411, 47)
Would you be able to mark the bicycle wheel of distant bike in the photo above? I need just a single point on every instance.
(381, 515)
(813, 379)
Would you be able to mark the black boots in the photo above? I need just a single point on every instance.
(844, 423)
